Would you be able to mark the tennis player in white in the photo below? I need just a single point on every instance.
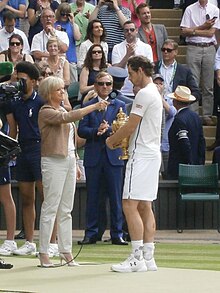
(142, 170)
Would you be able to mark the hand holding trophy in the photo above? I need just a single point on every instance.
(121, 120)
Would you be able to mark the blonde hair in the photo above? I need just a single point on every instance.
(48, 86)
(53, 40)
(102, 74)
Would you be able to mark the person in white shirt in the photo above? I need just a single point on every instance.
(8, 30)
(129, 47)
(39, 43)
(199, 24)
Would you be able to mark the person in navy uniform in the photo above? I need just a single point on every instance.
(102, 165)
(187, 143)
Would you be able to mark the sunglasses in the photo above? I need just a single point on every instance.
(126, 30)
(102, 83)
(44, 73)
(167, 49)
(99, 52)
(65, 14)
(15, 44)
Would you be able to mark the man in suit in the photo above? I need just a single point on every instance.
(102, 165)
(187, 143)
(174, 73)
(152, 34)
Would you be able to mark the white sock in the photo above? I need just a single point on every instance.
(137, 249)
(148, 250)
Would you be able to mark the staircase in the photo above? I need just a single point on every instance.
(171, 19)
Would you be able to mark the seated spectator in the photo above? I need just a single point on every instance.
(34, 11)
(95, 35)
(58, 64)
(17, 7)
(95, 62)
(39, 43)
(65, 22)
(8, 30)
(14, 53)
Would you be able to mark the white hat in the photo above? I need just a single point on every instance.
(182, 94)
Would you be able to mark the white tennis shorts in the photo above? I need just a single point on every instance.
(141, 179)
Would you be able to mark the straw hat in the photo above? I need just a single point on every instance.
(182, 94)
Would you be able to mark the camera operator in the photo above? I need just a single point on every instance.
(22, 116)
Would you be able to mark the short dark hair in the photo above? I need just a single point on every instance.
(140, 6)
(143, 62)
(28, 68)
(129, 22)
(9, 16)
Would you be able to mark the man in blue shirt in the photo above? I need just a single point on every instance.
(18, 7)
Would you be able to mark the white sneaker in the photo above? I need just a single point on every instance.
(151, 264)
(8, 247)
(53, 250)
(26, 249)
(131, 264)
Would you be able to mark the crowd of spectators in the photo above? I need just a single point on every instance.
(76, 41)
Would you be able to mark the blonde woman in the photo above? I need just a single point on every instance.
(59, 171)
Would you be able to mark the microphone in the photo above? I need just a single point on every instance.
(6, 68)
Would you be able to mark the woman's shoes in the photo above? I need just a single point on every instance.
(68, 258)
(44, 261)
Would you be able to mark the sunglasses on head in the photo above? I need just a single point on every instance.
(15, 43)
(97, 51)
(167, 49)
(64, 14)
(126, 30)
(45, 73)
(101, 83)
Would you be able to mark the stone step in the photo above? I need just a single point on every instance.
(173, 31)
(168, 22)
(182, 50)
(209, 131)
(208, 156)
(209, 140)
(181, 59)
(168, 13)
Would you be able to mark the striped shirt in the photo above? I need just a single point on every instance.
(110, 21)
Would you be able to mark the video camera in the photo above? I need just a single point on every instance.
(9, 148)
(10, 90)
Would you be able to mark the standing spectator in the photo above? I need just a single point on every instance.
(102, 165)
(18, 7)
(82, 11)
(186, 140)
(65, 22)
(34, 11)
(95, 35)
(39, 43)
(59, 171)
(8, 30)
(216, 143)
(152, 34)
(199, 23)
(58, 64)
(131, 46)
(22, 116)
(132, 5)
(113, 16)
(142, 169)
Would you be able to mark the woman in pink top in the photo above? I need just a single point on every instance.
(132, 5)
